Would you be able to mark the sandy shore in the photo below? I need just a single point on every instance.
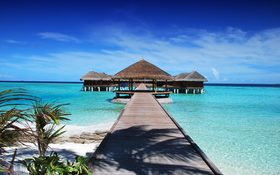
(75, 129)
(78, 140)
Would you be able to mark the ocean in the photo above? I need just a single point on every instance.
(238, 127)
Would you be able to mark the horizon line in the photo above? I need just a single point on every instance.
(206, 84)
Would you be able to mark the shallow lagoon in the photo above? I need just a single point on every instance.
(237, 127)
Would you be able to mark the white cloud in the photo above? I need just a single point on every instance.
(11, 41)
(238, 55)
(58, 37)
(233, 51)
(4, 76)
(216, 73)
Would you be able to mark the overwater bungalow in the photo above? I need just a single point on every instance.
(157, 80)
(142, 72)
(189, 83)
(94, 81)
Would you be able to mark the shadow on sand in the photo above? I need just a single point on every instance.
(29, 152)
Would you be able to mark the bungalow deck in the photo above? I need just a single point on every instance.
(147, 140)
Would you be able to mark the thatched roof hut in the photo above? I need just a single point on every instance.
(143, 70)
(92, 75)
(193, 76)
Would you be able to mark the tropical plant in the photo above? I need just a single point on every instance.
(53, 164)
(79, 166)
(43, 165)
(9, 131)
(46, 117)
(10, 117)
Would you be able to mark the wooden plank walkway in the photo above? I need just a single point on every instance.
(146, 140)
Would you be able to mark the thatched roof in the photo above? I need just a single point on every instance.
(92, 75)
(193, 76)
(143, 70)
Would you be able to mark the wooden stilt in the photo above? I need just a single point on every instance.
(156, 85)
(119, 85)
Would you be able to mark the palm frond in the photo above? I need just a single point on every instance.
(10, 116)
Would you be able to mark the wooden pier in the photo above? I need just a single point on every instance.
(147, 140)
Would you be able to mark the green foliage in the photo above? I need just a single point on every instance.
(53, 165)
(79, 166)
(46, 118)
(10, 116)
(4, 169)
(9, 131)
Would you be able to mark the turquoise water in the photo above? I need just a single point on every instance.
(237, 127)
(86, 108)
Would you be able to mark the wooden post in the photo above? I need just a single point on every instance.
(165, 85)
(155, 85)
(130, 84)
(119, 85)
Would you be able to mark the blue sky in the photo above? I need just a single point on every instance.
(227, 41)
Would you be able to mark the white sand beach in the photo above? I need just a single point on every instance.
(76, 129)
(67, 147)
